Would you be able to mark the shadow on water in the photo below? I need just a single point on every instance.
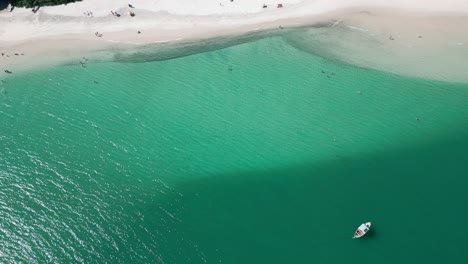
(173, 50)
(371, 234)
(308, 214)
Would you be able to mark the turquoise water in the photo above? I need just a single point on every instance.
(245, 154)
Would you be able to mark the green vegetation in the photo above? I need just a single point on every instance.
(33, 3)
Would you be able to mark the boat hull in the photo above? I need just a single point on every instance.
(362, 230)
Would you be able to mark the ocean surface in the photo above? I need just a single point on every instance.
(252, 152)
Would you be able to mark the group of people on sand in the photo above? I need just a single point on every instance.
(221, 4)
(16, 54)
(118, 15)
(277, 6)
(263, 6)
(131, 13)
(114, 13)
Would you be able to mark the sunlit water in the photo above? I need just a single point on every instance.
(255, 153)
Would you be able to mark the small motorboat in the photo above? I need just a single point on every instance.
(362, 230)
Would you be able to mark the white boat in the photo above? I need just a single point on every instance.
(362, 230)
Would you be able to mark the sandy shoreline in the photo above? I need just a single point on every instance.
(58, 34)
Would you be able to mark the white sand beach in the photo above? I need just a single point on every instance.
(66, 31)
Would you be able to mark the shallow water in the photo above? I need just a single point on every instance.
(409, 46)
(245, 154)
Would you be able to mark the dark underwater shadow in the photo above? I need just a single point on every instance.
(372, 233)
(308, 213)
(172, 50)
